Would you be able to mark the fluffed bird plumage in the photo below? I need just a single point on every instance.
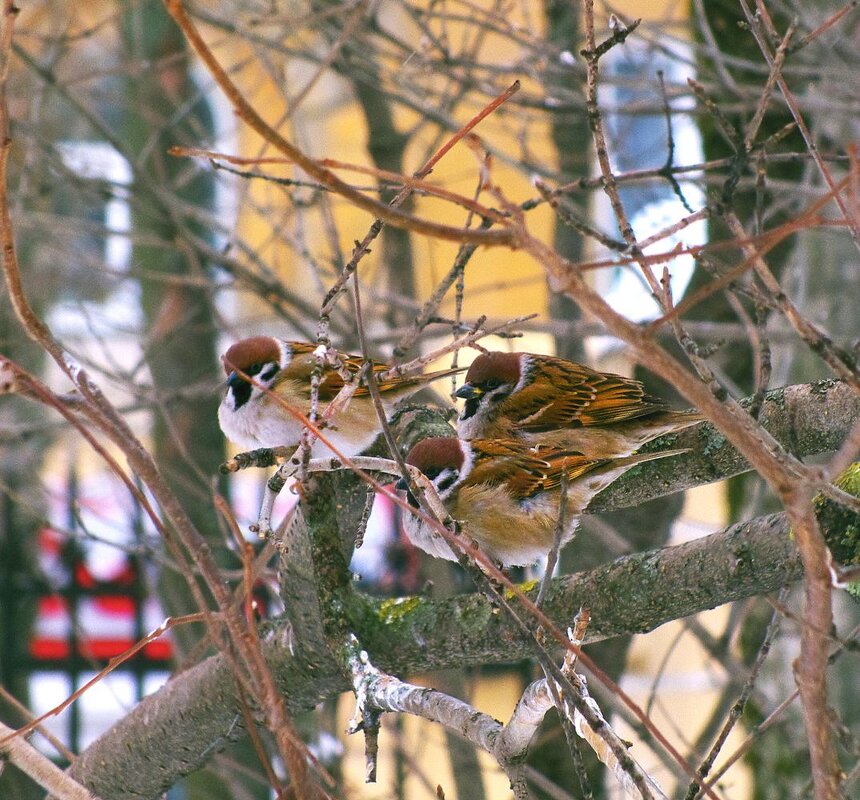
(267, 377)
(547, 400)
(506, 493)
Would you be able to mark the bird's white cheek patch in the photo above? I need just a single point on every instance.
(238, 425)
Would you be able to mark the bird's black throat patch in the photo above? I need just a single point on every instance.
(241, 390)
(471, 408)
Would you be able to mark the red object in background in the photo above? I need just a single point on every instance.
(108, 621)
(106, 624)
(106, 627)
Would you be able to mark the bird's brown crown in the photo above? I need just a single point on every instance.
(436, 454)
(254, 350)
(495, 367)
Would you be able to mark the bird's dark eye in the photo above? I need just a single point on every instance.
(269, 372)
(492, 383)
(447, 482)
(262, 370)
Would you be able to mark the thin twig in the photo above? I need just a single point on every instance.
(739, 705)
(383, 211)
(848, 214)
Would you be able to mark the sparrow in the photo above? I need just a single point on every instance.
(264, 373)
(505, 494)
(548, 400)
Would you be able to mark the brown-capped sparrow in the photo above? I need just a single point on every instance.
(548, 400)
(506, 493)
(265, 373)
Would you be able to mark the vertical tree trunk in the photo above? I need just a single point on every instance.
(164, 109)
(778, 768)
(23, 508)
(570, 134)
(386, 146)
(20, 519)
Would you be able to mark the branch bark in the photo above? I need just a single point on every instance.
(635, 594)
(174, 731)
(804, 418)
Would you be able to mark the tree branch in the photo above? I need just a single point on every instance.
(18, 751)
(805, 419)
(393, 216)
(174, 731)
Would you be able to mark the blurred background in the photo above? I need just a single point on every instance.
(147, 265)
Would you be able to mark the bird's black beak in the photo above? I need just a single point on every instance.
(468, 392)
(233, 379)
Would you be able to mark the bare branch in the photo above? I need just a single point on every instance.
(634, 594)
(384, 212)
(40, 768)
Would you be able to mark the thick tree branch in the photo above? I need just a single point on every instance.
(174, 731)
(634, 594)
(805, 418)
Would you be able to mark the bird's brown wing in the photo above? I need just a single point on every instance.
(525, 470)
(303, 365)
(331, 381)
(566, 395)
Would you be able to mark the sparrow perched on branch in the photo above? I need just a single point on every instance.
(548, 400)
(507, 493)
(268, 378)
